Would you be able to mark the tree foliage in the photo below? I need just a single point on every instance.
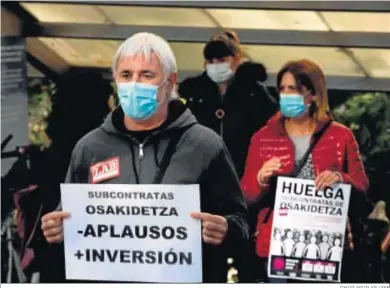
(39, 107)
(368, 116)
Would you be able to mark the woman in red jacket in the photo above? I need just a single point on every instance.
(277, 148)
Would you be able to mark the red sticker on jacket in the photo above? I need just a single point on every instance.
(105, 170)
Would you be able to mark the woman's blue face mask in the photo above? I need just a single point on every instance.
(292, 105)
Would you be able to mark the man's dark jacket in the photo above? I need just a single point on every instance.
(200, 158)
(246, 106)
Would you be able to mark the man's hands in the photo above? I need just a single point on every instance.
(214, 227)
(52, 226)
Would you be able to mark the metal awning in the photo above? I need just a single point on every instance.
(350, 40)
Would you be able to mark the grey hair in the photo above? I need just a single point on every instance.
(146, 43)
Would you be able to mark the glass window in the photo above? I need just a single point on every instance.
(64, 13)
(156, 16)
(331, 60)
(268, 19)
(32, 72)
(99, 54)
(122, 15)
(376, 61)
(355, 22)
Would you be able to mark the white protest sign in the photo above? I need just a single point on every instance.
(132, 233)
(308, 230)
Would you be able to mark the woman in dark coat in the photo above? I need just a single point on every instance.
(229, 97)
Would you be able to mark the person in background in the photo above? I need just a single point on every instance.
(141, 132)
(229, 97)
(278, 147)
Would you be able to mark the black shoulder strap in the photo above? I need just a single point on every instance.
(317, 137)
(170, 150)
(298, 168)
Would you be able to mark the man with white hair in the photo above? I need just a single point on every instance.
(148, 125)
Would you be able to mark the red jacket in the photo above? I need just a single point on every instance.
(337, 150)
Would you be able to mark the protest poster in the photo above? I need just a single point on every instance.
(308, 230)
(132, 233)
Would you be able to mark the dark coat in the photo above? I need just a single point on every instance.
(246, 107)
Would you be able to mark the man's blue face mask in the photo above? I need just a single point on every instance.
(292, 105)
(138, 100)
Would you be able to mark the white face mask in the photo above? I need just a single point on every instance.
(219, 72)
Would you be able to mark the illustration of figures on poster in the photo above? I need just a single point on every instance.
(306, 245)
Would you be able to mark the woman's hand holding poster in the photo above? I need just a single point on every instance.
(308, 230)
